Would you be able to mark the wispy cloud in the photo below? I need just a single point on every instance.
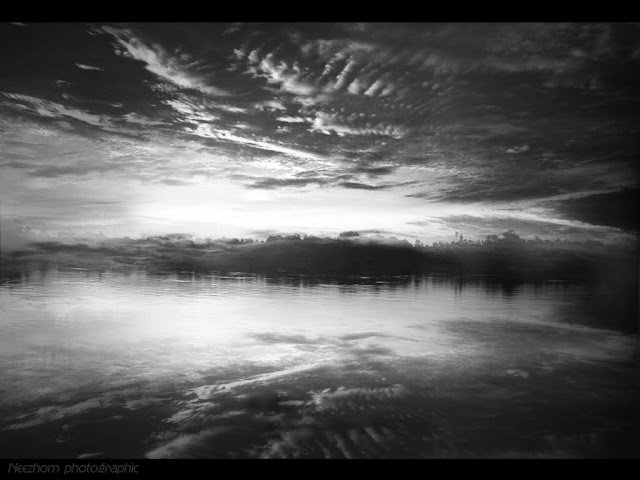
(142, 120)
(175, 182)
(328, 123)
(194, 112)
(522, 149)
(374, 171)
(273, 183)
(46, 108)
(292, 119)
(362, 186)
(228, 108)
(207, 131)
(271, 105)
(162, 63)
(289, 78)
(88, 67)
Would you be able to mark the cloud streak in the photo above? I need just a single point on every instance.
(160, 62)
(46, 108)
(82, 66)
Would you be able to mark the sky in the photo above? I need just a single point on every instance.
(247, 130)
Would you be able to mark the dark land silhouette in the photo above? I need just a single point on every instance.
(507, 257)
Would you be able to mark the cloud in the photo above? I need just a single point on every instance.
(289, 78)
(527, 227)
(353, 66)
(141, 120)
(618, 209)
(338, 47)
(373, 171)
(509, 188)
(46, 108)
(329, 178)
(207, 131)
(327, 123)
(88, 67)
(193, 112)
(228, 108)
(522, 149)
(530, 64)
(273, 183)
(162, 63)
(362, 186)
(375, 88)
(271, 105)
(275, 338)
(328, 400)
(292, 119)
(175, 182)
(357, 86)
(492, 127)
(55, 171)
(341, 79)
(71, 168)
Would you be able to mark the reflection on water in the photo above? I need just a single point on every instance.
(101, 364)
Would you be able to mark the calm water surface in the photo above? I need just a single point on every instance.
(97, 365)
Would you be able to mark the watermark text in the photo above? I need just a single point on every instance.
(73, 468)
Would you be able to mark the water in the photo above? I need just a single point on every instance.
(105, 364)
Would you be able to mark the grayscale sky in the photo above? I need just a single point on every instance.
(414, 130)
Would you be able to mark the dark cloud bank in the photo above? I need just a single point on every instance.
(617, 209)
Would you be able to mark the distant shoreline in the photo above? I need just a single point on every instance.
(516, 261)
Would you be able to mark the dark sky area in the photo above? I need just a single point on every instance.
(418, 130)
